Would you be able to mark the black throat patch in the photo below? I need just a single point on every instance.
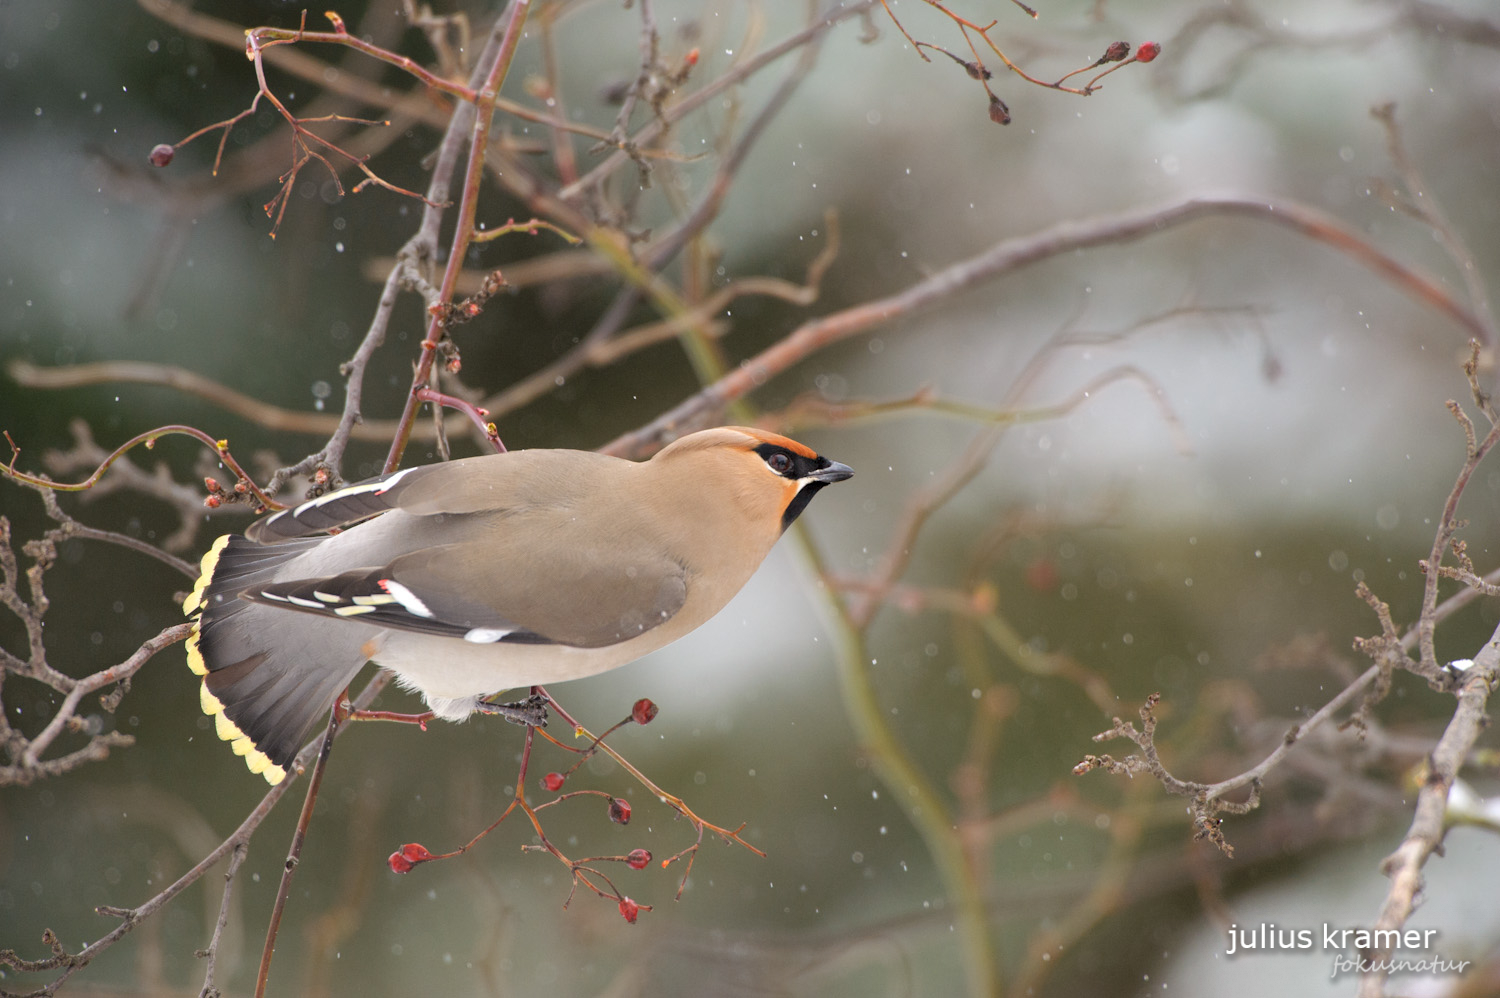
(799, 467)
(799, 503)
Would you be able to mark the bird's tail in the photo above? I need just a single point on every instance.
(268, 675)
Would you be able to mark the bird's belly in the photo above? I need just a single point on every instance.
(454, 669)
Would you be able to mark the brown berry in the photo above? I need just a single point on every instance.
(999, 113)
(162, 155)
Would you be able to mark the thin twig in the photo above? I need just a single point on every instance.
(31, 758)
(491, 74)
(1424, 204)
(211, 954)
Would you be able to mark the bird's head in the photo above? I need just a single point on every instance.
(770, 477)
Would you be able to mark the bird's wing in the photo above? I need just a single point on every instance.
(498, 483)
(524, 588)
(333, 510)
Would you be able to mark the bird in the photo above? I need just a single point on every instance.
(471, 577)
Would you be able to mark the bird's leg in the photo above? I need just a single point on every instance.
(532, 712)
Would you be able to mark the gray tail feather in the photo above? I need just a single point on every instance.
(271, 673)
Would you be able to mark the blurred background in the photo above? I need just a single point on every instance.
(1185, 450)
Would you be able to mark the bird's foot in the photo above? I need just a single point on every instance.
(531, 712)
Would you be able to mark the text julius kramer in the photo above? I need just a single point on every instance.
(1270, 936)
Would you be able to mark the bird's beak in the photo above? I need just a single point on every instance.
(835, 472)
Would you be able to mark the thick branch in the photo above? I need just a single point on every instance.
(1404, 866)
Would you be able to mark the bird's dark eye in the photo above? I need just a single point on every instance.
(779, 463)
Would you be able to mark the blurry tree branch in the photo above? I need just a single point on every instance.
(1013, 254)
(1257, 34)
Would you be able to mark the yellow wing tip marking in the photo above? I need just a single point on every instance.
(206, 567)
(255, 760)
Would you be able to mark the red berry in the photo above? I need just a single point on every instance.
(1147, 51)
(638, 859)
(619, 811)
(553, 781)
(162, 155)
(692, 60)
(629, 909)
(212, 502)
(399, 863)
(211, 484)
(415, 852)
(643, 710)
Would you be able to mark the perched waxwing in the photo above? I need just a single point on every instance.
(476, 576)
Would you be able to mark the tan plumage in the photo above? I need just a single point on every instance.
(482, 575)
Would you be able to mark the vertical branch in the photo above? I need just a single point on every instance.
(463, 231)
(1447, 526)
(294, 853)
(409, 272)
(914, 792)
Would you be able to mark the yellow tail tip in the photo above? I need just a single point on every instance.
(206, 567)
(255, 760)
